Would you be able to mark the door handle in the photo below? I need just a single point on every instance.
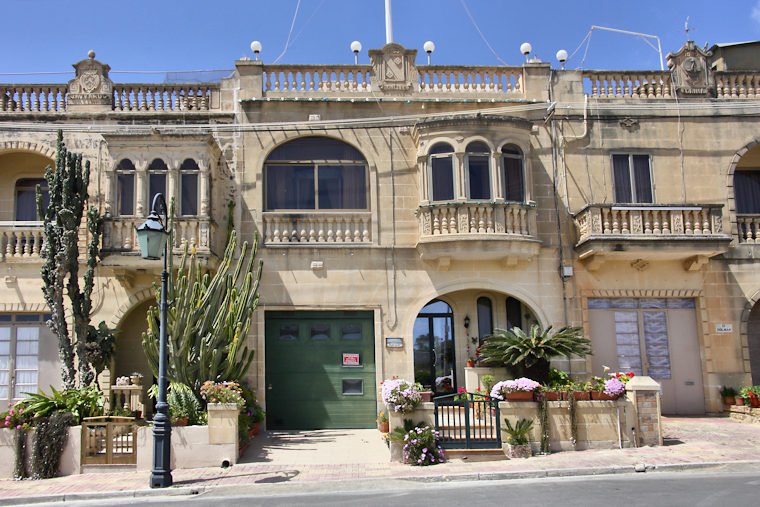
(269, 387)
(435, 358)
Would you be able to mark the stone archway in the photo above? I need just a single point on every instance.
(753, 342)
(129, 356)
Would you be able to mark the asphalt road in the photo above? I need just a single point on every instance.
(629, 490)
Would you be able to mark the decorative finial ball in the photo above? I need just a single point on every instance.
(429, 47)
(562, 56)
(256, 46)
(91, 54)
(526, 48)
(356, 46)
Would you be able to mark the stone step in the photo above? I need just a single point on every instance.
(472, 455)
(106, 469)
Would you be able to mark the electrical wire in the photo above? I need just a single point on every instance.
(483, 37)
(290, 33)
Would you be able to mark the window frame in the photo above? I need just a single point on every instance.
(189, 172)
(451, 155)
(315, 165)
(489, 172)
(12, 322)
(25, 188)
(133, 174)
(632, 177)
(151, 172)
(491, 316)
(523, 172)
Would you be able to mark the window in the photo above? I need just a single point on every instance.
(442, 172)
(19, 352)
(478, 170)
(514, 176)
(485, 318)
(125, 183)
(632, 178)
(316, 173)
(747, 192)
(514, 313)
(157, 179)
(188, 182)
(26, 198)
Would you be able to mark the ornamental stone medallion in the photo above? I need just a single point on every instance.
(91, 89)
(393, 68)
(691, 72)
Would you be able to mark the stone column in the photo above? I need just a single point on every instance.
(203, 190)
(141, 189)
(644, 393)
(460, 181)
(497, 177)
(172, 184)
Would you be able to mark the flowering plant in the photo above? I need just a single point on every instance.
(16, 417)
(401, 395)
(623, 377)
(511, 386)
(421, 447)
(614, 387)
(222, 392)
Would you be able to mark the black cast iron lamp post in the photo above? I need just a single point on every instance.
(152, 237)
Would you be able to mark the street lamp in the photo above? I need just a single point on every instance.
(152, 237)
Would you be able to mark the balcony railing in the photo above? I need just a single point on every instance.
(737, 85)
(316, 79)
(165, 97)
(119, 234)
(20, 240)
(749, 228)
(317, 228)
(32, 98)
(440, 79)
(628, 84)
(603, 221)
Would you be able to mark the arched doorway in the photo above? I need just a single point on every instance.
(129, 356)
(753, 341)
(434, 356)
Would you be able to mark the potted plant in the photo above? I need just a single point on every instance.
(518, 444)
(382, 422)
(581, 391)
(222, 393)
(520, 389)
(728, 394)
(401, 395)
(421, 447)
(528, 354)
(136, 378)
(611, 389)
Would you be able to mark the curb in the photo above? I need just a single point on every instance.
(476, 476)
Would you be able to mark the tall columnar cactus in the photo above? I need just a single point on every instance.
(67, 187)
(209, 317)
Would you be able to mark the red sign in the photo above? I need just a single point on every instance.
(351, 360)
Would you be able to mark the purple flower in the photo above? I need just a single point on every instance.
(613, 387)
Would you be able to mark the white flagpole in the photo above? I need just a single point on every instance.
(388, 23)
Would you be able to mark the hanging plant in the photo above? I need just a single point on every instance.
(543, 419)
(573, 419)
(49, 441)
(19, 468)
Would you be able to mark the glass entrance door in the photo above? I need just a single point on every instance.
(434, 361)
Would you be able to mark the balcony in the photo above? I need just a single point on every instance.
(690, 233)
(480, 231)
(20, 241)
(317, 229)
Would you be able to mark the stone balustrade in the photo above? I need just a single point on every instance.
(32, 98)
(749, 228)
(165, 97)
(316, 79)
(318, 227)
(20, 240)
(604, 220)
(495, 218)
(446, 79)
(119, 234)
(628, 84)
(737, 85)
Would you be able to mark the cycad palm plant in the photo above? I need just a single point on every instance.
(529, 354)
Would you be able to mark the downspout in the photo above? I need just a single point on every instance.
(573, 138)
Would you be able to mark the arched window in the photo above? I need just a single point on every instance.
(188, 182)
(26, 198)
(478, 170)
(441, 165)
(747, 191)
(485, 318)
(514, 174)
(514, 313)
(125, 183)
(157, 179)
(316, 173)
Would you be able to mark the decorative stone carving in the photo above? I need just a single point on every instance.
(393, 68)
(691, 71)
(629, 124)
(91, 89)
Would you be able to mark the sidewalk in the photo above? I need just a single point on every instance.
(295, 458)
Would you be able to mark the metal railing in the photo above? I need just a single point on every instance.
(467, 421)
(109, 440)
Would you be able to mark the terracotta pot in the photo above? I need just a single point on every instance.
(582, 395)
(426, 395)
(754, 401)
(256, 428)
(182, 421)
(520, 396)
(602, 396)
(470, 363)
(729, 400)
(739, 401)
(384, 427)
(553, 396)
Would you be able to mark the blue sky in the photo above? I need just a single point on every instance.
(156, 35)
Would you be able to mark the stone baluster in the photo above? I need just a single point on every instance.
(697, 222)
(706, 222)
(365, 230)
(615, 223)
(687, 222)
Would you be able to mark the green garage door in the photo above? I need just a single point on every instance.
(320, 370)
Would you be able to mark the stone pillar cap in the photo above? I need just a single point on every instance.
(642, 383)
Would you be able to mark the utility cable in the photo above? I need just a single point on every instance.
(290, 33)
(483, 37)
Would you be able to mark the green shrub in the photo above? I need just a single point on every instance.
(81, 403)
(49, 441)
(518, 434)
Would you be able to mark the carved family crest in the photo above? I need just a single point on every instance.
(691, 72)
(91, 86)
(393, 67)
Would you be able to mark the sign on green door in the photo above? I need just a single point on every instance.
(320, 370)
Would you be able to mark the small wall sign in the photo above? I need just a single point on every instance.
(394, 342)
(724, 328)
(350, 359)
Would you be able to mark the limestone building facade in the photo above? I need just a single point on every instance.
(406, 210)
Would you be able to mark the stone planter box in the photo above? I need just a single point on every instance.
(223, 423)
(190, 448)
(70, 459)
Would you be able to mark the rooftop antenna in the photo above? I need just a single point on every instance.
(686, 27)
(388, 23)
(644, 37)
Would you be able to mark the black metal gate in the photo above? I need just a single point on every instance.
(467, 421)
